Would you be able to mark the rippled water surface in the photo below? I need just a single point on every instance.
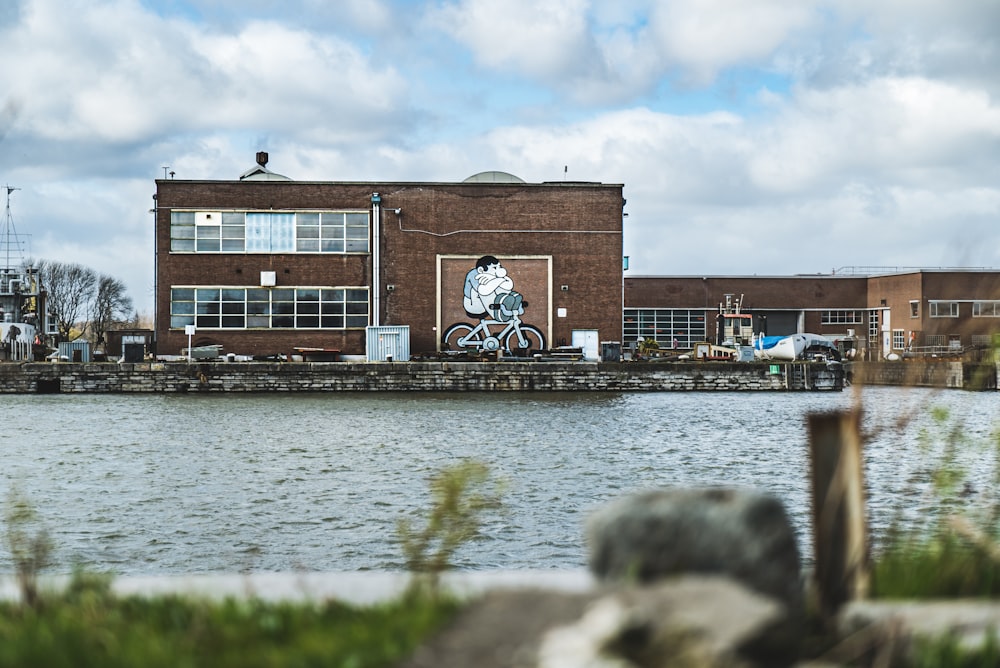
(190, 484)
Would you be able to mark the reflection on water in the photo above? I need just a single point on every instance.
(185, 484)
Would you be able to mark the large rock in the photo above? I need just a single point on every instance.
(740, 533)
(687, 622)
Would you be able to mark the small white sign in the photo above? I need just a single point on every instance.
(189, 330)
(561, 312)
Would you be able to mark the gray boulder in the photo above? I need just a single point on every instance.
(686, 622)
(740, 533)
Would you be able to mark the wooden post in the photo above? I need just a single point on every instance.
(839, 526)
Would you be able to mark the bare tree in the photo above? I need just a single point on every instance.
(71, 290)
(111, 306)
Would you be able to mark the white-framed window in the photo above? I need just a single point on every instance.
(986, 309)
(842, 317)
(873, 326)
(940, 309)
(182, 231)
(898, 339)
(269, 308)
(914, 308)
(269, 231)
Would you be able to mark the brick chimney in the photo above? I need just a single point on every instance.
(262, 158)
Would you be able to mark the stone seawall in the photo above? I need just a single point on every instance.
(918, 373)
(157, 377)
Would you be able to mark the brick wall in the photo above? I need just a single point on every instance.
(578, 226)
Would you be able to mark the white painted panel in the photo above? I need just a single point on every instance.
(587, 340)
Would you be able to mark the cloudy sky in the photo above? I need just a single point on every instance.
(752, 136)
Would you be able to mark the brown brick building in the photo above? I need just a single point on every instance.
(264, 264)
(879, 313)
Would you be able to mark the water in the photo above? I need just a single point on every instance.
(196, 484)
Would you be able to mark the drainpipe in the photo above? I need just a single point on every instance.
(376, 260)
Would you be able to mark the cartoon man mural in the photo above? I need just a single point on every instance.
(489, 292)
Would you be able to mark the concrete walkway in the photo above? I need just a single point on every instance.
(358, 587)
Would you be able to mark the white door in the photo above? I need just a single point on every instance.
(586, 339)
(886, 334)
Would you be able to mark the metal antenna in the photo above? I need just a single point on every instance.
(9, 232)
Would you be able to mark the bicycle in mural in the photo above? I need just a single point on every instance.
(489, 295)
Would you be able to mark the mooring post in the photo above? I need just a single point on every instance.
(839, 525)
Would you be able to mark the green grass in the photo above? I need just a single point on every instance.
(88, 626)
(939, 652)
(941, 566)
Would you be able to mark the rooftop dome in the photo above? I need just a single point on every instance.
(262, 174)
(493, 177)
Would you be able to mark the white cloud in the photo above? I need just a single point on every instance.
(888, 129)
(706, 36)
(112, 71)
(538, 39)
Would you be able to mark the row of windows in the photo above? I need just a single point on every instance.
(268, 232)
(842, 317)
(269, 308)
(980, 309)
(665, 326)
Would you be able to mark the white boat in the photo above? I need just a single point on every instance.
(21, 296)
(793, 346)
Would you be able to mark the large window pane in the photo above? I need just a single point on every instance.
(282, 232)
(207, 294)
(356, 296)
(258, 232)
(207, 321)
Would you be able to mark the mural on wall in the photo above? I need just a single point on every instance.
(490, 298)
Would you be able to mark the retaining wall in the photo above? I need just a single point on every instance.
(941, 373)
(411, 376)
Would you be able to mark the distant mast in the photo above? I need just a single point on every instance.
(10, 239)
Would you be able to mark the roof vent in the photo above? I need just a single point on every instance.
(262, 158)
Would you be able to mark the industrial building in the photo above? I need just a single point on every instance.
(876, 311)
(264, 265)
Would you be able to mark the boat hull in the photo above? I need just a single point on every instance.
(790, 348)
